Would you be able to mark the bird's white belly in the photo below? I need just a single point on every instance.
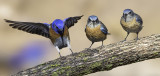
(61, 43)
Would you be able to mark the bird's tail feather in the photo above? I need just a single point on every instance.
(109, 34)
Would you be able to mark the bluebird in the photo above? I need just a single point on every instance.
(57, 31)
(30, 54)
(131, 22)
(95, 30)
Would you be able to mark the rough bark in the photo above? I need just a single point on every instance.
(99, 59)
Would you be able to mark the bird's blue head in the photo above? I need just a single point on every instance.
(58, 26)
(128, 13)
(93, 18)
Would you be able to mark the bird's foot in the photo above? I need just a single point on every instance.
(101, 46)
(71, 51)
(62, 57)
(72, 54)
(87, 48)
(136, 39)
(123, 41)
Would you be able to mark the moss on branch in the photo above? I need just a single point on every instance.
(99, 59)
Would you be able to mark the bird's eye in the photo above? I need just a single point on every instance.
(97, 20)
(129, 12)
(56, 26)
(89, 19)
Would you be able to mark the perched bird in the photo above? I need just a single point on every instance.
(57, 31)
(131, 22)
(95, 30)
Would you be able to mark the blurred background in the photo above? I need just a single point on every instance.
(13, 42)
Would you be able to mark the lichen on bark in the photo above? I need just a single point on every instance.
(99, 59)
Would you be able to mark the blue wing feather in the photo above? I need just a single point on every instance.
(139, 19)
(103, 28)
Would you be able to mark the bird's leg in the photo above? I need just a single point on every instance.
(91, 45)
(58, 51)
(59, 54)
(74, 58)
(102, 44)
(137, 36)
(69, 46)
(71, 51)
(126, 36)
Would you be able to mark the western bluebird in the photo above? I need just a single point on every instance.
(95, 30)
(57, 31)
(30, 54)
(131, 22)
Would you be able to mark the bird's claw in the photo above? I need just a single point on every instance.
(136, 39)
(101, 46)
(87, 48)
(123, 41)
(62, 57)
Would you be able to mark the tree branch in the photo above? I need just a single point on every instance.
(99, 59)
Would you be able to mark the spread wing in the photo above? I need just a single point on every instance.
(104, 29)
(69, 22)
(30, 27)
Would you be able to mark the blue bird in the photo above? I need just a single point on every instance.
(131, 22)
(30, 54)
(57, 31)
(95, 30)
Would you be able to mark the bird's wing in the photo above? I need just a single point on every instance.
(69, 22)
(121, 20)
(85, 28)
(103, 28)
(30, 27)
(139, 19)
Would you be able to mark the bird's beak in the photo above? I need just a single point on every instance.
(60, 31)
(94, 22)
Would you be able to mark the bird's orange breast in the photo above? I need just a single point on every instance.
(54, 35)
(132, 26)
(95, 34)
